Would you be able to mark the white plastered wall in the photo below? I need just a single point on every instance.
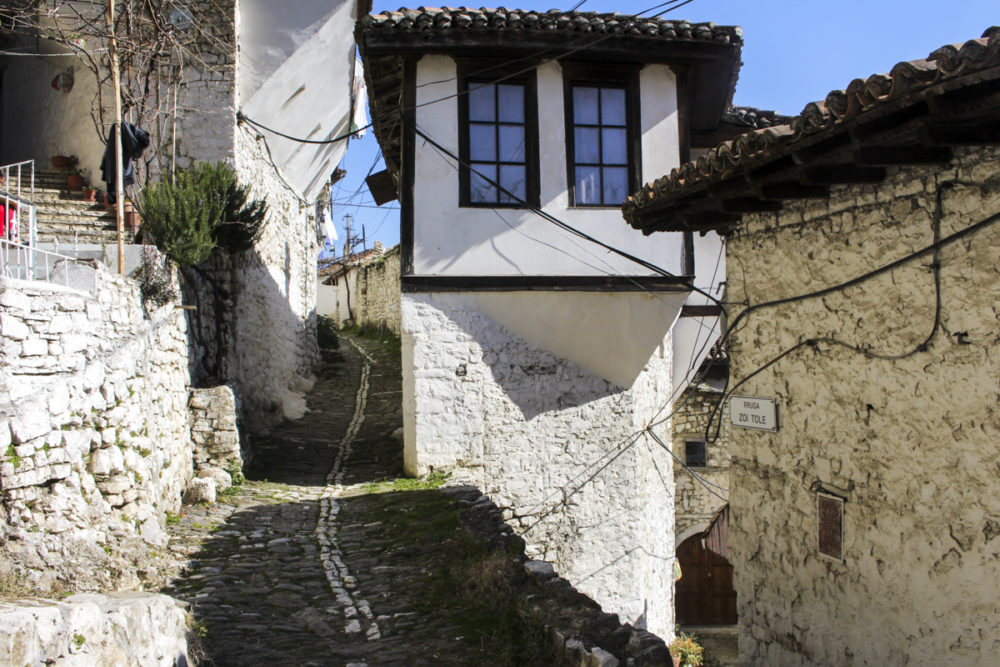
(450, 240)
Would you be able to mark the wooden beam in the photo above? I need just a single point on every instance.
(843, 174)
(794, 190)
(984, 134)
(701, 311)
(750, 205)
(890, 155)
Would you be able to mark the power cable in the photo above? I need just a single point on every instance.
(814, 342)
(569, 228)
(677, 4)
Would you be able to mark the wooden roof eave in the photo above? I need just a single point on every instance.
(916, 129)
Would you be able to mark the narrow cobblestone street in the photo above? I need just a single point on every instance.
(288, 569)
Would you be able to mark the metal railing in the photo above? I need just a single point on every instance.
(20, 256)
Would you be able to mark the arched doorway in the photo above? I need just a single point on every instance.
(704, 595)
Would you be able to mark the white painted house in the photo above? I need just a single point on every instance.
(534, 358)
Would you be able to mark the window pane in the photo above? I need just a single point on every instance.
(482, 142)
(694, 454)
(481, 101)
(480, 191)
(588, 185)
(615, 185)
(585, 145)
(511, 103)
(615, 146)
(585, 105)
(513, 180)
(612, 106)
(511, 143)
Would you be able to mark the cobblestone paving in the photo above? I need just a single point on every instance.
(287, 569)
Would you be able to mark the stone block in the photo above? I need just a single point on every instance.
(116, 485)
(34, 347)
(32, 422)
(200, 490)
(106, 461)
(223, 480)
(15, 300)
(13, 328)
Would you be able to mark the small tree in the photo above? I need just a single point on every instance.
(202, 208)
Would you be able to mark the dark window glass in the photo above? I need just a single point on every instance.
(831, 525)
(497, 135)
(695, 454)
(600, 145)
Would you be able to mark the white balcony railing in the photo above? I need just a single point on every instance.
(20, 256)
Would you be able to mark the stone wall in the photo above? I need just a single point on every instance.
(555, 446)
(378, 293)
(274, 296)
(94, 431)
(908, 442)
(695, 506)
(122, 629)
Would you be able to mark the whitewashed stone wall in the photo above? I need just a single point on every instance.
(911, 444)
(94, 434)
(553, 445)
(379, 292)
(121, 629)
(274, 290)
(695, 506)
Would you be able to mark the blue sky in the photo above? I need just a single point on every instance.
(795, 52)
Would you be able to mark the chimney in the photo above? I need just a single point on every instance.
(378, 248)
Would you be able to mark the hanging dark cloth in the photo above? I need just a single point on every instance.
(134, 141)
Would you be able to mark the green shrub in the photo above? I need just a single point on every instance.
(203, 207)
(326, 332)
(688, 649)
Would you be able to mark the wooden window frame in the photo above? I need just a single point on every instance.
(625, 77)
(836, 503)
(470, 73)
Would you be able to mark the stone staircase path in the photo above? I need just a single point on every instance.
(287, 569)
(65, 217)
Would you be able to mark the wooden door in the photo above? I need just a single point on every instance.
(704, 595)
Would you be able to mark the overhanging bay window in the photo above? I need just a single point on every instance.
(498, 142)
(601, 138)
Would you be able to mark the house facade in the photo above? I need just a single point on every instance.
(539, 364)
(865, 519)
(239, 66)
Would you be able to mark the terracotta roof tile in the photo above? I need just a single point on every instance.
(456, 19)
(759, 147)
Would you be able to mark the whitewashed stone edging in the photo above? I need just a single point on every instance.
(121, 629)
(342, 584)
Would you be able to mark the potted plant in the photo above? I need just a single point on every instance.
(685, 651)
(75, 179)
(89, 194)
(63, 161)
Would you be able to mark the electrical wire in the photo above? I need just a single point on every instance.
(569, 228)
(814, 342)
(241, 116)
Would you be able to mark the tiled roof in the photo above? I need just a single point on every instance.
(709, 54)
(958, 65)
(752, 117)
(457, 19)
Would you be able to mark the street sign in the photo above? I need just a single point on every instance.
(753, 412)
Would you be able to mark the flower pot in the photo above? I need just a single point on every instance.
(89, 194)
(132, 219)
(108, 206)
(61, 162)
(74, 181)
